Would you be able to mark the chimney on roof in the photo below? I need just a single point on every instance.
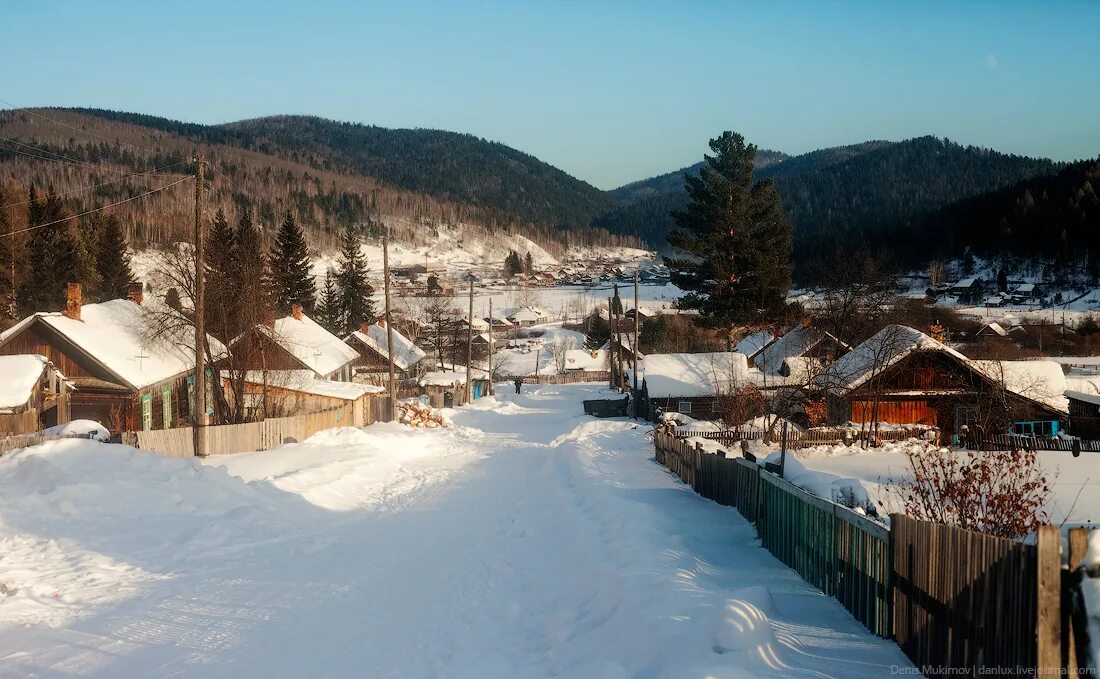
(296, 311)
(805, 321)
(381, 322)
(74, 299)
(135, 292)
(364, 327)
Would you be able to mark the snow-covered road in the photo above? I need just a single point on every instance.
(525, 541)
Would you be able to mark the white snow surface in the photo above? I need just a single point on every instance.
(79, 429)
(18, 376)
(689, 375)
(307, 382)
(524, 540)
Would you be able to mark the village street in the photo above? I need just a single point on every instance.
(525, 540)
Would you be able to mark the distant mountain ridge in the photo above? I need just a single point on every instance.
(674, 181)
(843, 194)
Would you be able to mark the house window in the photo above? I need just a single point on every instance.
(146, 412)
(684, 407)
(166, 404)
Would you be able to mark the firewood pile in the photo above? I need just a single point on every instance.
(414, 414)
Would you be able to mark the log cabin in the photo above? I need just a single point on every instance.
(126, 373)
(690, 383)
(801, 341)
(284, 393)
(902, 376)
(295, 342)
(371, 343)
(33, 394)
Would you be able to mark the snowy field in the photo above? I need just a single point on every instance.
(525, 540)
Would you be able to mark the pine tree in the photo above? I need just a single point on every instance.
(529, 264)
(737, 238)
(327, 312)
(56, 256)
(290, 269)
(249, 276)
(356, 306)
(112, 260)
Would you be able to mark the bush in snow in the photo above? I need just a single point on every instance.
(999, 493)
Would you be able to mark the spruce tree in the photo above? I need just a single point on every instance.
(327, 312)
(529, 264)
(356, 306)
(112, 260)
(56, 256)
(249, 276)
(221, 299)
(7, 254)
(290, 269)
(512, 264)
(617, 302)
(736, 238)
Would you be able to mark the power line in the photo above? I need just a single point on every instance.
(59, 159)
(149, 173)
(104, 207)
(88, 132)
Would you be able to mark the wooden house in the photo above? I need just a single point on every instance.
(127, 370)
(1084, 414)
(690, 383)
(801, 341)
(968, 291)
(295, 342)
(33, 394)
(371, 344)
(624, 346)
(902, 376)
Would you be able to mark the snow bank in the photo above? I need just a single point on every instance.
(80, 429)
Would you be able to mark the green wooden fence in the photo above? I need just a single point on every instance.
(843, 553)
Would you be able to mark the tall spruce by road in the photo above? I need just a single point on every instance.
(512, 265)
(221, 299)
(290, 269)
(356, 306)
(528, 264)
(735, 238)
(55, 257)
(250, 277)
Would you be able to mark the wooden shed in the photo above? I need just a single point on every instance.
(33, 394)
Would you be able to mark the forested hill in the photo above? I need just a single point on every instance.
(445, 165)
(674, 181)
(839, 196)
(327, 174)
(1055, 217)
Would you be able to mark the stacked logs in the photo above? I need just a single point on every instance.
(414, 414)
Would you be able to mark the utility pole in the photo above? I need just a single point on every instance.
(389, 324)
(611, 342)
(470, 339)
(198, 428)
(490, 345)
(637, 326)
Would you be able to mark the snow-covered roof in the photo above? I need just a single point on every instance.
(119, 335)
(688, 375)
(316, 348)
(446, 378)
(307, 382)
(1025, 288)
(753, 342)
(528, 313)
(478, 324)
(585, 360)
(498, 318)
(796, 342)
(1041, 381)
(18, 377)
(882, 350)
(965, 283)
(406, 353)
(1092, 398)
(994, 328)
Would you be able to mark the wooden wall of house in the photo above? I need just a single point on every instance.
(369, 360)
(702, 407)
(37, 339)
(256, 351)
(901, 411)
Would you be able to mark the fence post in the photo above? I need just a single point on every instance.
(1048, 618)
(696, 460)
(1075, 646)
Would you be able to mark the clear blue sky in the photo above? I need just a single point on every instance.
(609, 92)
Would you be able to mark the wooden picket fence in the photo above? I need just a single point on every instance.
(1010, 442)
(576, 377)
(951, 598)
(19, 423)
(249, 436)
(12, 442)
